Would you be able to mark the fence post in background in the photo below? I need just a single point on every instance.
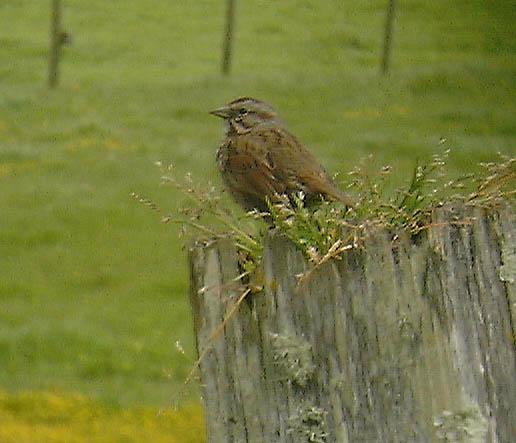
(408, 340)
(55, 44)
(227, 44)
(387, 39)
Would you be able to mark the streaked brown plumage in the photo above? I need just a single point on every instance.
(259, 158)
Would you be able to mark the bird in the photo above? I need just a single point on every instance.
(260, 160)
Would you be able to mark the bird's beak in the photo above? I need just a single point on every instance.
(223, 112)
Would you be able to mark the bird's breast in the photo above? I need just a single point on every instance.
(222, 156)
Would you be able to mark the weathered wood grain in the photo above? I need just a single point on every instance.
(405, 340)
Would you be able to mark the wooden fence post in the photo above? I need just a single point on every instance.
(387, 38)
(227, 44)
(55, 44)
(405, 340)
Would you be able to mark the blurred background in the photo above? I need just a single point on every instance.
(95, 330)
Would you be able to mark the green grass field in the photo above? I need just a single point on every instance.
(93, 289)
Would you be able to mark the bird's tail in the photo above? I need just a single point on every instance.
(337, 195)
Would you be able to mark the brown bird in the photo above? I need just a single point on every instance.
(259, 158)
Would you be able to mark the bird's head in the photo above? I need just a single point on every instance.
(244, 113)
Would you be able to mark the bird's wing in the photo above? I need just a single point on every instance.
(296, 167)
(247, 171)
